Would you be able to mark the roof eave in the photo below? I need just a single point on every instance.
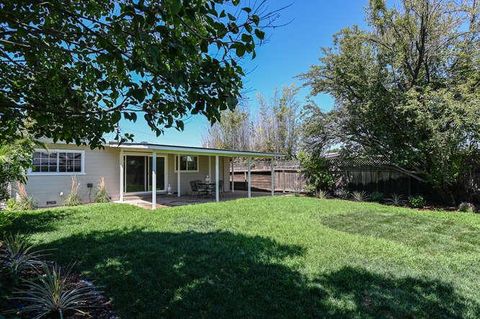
(193, 150)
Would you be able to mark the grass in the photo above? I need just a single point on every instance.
(281, 257)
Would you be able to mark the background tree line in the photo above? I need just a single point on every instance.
(275, 127)
(406, 90)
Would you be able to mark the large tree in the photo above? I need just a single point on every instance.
(71, 70)
(274, 128)
(277, 127)
(232, 132)
(407, 89)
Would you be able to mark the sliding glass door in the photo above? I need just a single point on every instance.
(138, 173)
(135, 177)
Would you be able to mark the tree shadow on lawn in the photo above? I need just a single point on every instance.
(227, 275)
(426, 233)
(378, 296)
(30, 222)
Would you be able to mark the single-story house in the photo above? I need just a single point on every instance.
(130, 169)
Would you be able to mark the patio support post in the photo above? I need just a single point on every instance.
(154, 180)
(217, 178)
(121, 175)
(273, 175)
(233, 176)
(178, 175)
(249, 181)
(210, 168)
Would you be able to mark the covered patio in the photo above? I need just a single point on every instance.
(160, 175)
(164, 200)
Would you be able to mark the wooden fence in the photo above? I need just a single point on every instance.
(288, 176)
(384, 179)
(364, 177)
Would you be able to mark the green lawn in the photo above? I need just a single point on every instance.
(283, 257)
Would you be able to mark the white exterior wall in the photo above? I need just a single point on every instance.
(105, 163)
(98, 163)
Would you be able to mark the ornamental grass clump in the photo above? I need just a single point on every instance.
(101, 196)
(73, 199)
(321, 194)
(23, 201)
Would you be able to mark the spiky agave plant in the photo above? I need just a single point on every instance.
(359, 196)
(396, 199)
(17, 255)
(55, 294)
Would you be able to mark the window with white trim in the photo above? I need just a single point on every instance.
(188, 163)
(61, 162)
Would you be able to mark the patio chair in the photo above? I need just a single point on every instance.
(197, 189)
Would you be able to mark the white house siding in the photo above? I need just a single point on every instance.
(105, 163)
(98, 163)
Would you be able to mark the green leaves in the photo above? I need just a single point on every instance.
(401, 94)
(15, 159)
(260, 34)
(175, 6)
(256, 19)
(240, 50)
(138, 93)
(154, 58)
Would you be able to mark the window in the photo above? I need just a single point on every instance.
(188, 163)
(61, 162)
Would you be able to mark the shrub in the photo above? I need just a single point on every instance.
(55, 294)
(359, 196)
(310, 189)
(467, 207)
(15, 159)
(317, 171)
(10, 204)
(396, 200)
(23, 201)
(376, 197)
(417, 201)
(101, 196)
(73, 199)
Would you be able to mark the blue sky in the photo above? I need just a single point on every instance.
(289, 51)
